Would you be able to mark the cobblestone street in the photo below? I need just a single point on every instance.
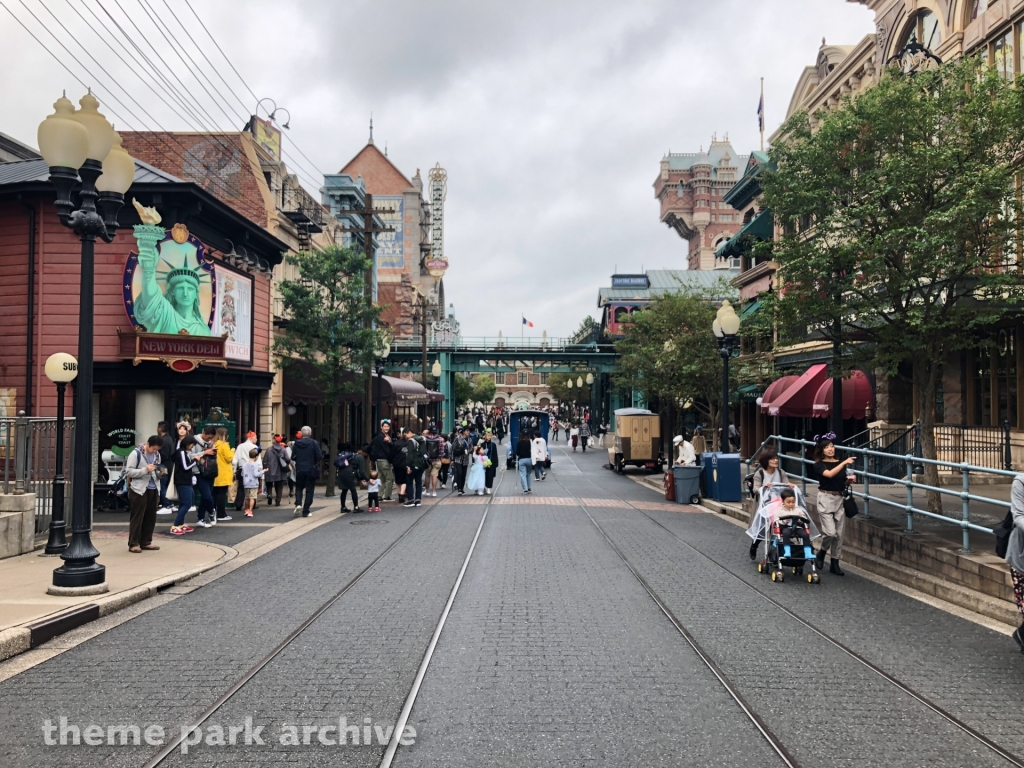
(594, 624)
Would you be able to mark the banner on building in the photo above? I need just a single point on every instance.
(267, 136)
(234, 316)
(391, 245)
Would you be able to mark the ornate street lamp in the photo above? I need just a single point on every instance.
(435, 370)
(82, 145)
(61, 368)
(725, 326)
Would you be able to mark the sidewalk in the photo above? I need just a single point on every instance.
(928, 560)
(30, 617)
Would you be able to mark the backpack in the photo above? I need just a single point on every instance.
(343, 459)
(434, 450)
(414, 454)
(458, 448)
(1002, 533)
(749, 481)
(283, 459)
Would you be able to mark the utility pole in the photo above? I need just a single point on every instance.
(368, 230)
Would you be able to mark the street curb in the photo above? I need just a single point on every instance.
(24, 637)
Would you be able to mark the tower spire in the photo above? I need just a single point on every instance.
(371, 129)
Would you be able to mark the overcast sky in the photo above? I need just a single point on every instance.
(550, 117)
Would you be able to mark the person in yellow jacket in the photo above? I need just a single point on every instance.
(225, 473)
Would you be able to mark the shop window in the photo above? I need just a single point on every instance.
(994, 375)
(1001, 54)
(522, 378)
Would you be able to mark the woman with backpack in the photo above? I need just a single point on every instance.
(205, 456)
(277, 463)
(348, 476)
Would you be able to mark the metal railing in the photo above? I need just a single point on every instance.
(894, 443)
(505, 343)
(796, 467)
(28, 450)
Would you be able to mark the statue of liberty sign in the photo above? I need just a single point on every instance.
(169, 285)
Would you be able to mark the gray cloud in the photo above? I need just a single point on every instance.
(550, 118)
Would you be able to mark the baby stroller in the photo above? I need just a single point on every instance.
(783, 536)
(117, 497)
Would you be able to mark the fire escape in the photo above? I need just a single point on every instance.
(303, 210)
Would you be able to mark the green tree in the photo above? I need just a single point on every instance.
(329, 325)
(669, 351)
(463, 390)
(484, 389)
(900, 215)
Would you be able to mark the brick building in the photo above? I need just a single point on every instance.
(402, 278)
(689, 188)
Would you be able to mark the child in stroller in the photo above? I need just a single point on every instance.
(785, 529)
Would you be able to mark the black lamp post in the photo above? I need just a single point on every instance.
(61, 368)
(725, 327)
(81, 147)
(378, 368)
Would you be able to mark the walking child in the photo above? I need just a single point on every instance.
(252, 476)
(373, 492)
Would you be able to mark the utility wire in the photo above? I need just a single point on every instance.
(225, 56)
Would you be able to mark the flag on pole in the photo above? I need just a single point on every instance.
(527, 323)
(760, 113)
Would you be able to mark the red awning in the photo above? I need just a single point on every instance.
(858, 401)
(775, 390)
(798, 399)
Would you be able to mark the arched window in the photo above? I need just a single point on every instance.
(924, 30)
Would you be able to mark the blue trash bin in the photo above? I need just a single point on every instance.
(725, 481)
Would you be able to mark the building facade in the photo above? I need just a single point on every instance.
(690, 189)
(181, 331)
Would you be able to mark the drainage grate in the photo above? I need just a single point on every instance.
(368, 522)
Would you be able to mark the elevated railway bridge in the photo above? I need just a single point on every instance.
(500, 355)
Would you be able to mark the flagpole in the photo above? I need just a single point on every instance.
(762, 114)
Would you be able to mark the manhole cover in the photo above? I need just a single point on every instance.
(368, 522)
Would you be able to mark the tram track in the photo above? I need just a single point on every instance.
(389, 754)
(772, 739)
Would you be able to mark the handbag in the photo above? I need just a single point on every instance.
(849, 504)
(172, 489)
(314, 473)
(1002, 533)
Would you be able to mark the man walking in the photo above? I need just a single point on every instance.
(462, 457)
(381, 454)
(143, 470)
(306, 455)
(491, 449)
(524, 455)
(584, 434)
(415, 451)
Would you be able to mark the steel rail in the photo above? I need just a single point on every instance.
(410, 700)
(920, 698)
(174, 743)
(773, 741)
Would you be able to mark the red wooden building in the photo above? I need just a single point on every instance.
(135, 388)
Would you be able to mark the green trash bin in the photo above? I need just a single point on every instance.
(687, 484)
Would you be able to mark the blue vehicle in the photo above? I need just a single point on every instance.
(531, 421)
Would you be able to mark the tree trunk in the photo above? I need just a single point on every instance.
(926, 375)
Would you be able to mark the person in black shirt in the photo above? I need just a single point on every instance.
(831, 474)
(524, 454)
